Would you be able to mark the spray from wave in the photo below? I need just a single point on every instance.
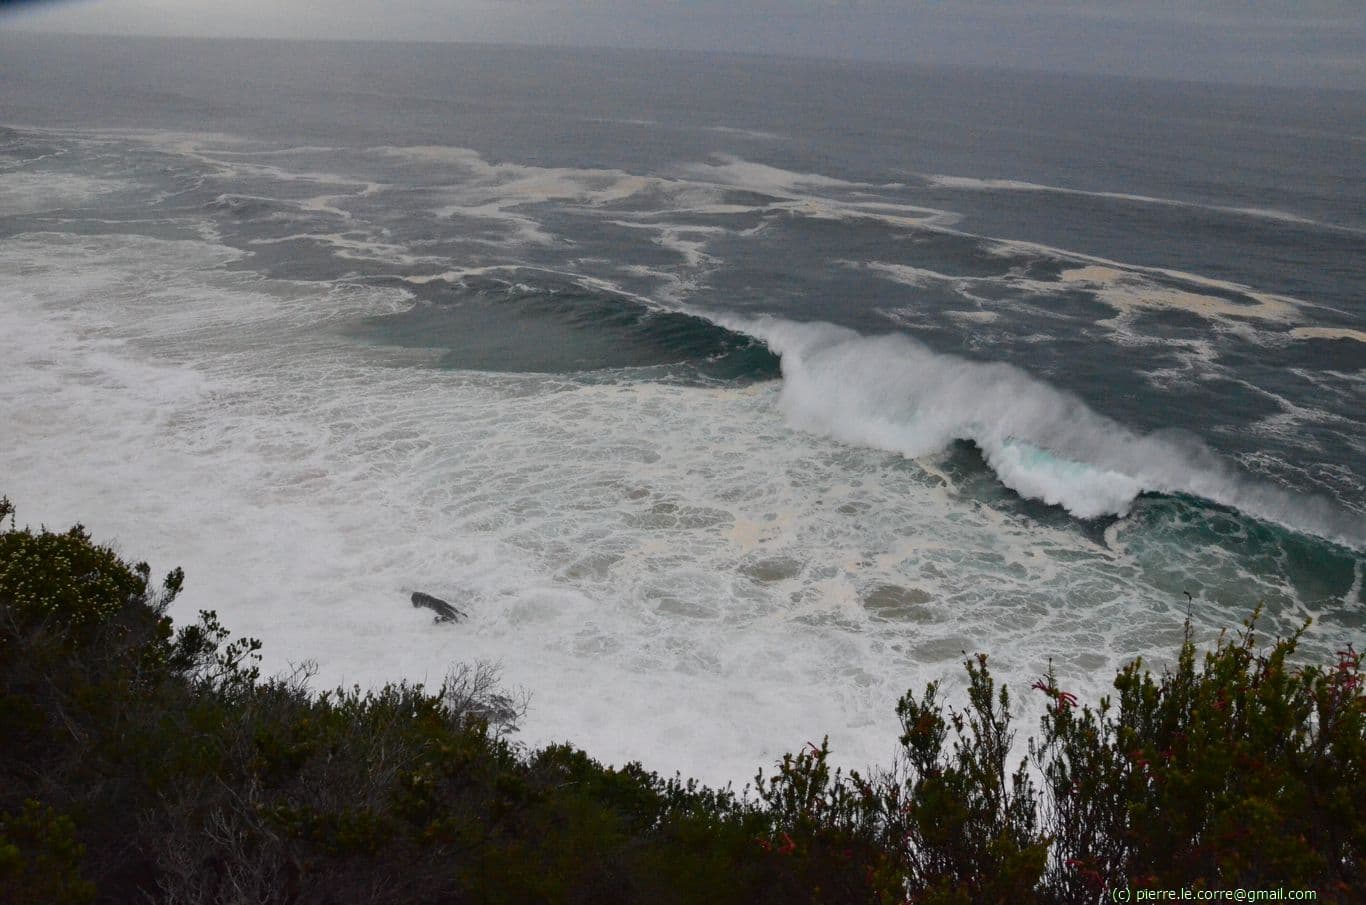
(893, 393)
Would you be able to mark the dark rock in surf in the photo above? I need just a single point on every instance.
(444, 611)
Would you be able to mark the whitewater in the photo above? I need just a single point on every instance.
(892, 393)
(724, 430)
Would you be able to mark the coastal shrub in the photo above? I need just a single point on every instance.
(40, 859)
(64, 577)
(1247, 773)
(947, 823)
(1250, 772)
(144, 762)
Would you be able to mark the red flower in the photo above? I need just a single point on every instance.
(1064, 699)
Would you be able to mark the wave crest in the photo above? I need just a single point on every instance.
(891, 392)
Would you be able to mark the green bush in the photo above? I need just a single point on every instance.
(40, 859)
(1249, 773)
(139, 762)
(64, 577)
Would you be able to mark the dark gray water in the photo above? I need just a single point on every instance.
(759, 379)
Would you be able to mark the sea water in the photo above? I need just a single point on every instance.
(731, 397)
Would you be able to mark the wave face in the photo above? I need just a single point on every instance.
(540, 325)
(893, 393)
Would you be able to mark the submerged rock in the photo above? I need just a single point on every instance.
(891, 601)
(444, 611)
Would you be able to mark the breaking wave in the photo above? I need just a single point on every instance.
(893, 393)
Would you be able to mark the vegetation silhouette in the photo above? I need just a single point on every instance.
(144, 762)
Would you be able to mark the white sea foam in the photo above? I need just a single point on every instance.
(812, 195)
(490, 191)
(357, 247)
(675, 573)
(893, 393)
(761, 177)
(968, 183)
(282, 152)
(501, 192)
(756, 134)
(495, 190)
(483, 183)
(28, 193)
(1127, 289)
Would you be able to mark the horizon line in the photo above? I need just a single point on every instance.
(755, 55)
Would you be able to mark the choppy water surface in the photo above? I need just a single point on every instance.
(731, 398)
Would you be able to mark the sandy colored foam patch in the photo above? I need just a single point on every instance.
(1128, 292)
(1329, 333)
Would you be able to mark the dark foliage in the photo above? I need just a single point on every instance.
(140, 762)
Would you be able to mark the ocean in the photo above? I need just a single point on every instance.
(730, 396)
